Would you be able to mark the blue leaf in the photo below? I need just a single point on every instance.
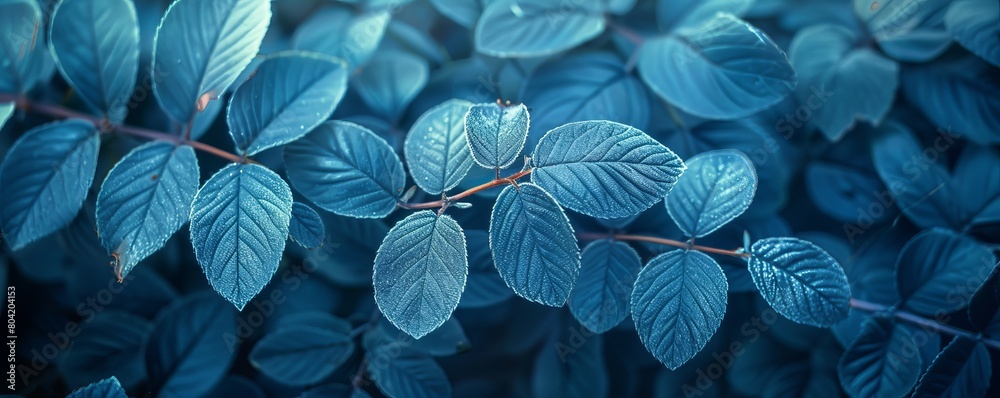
(301, 355)
(600, 300)
(935, 268)
(463, 12)
(962, 369)
(203, 45)
(976, 179)
(390, 81)
(290, 94)
(496, 133)
(678, 303)
(517, 28)
(45, 178)
(736, 68)
(110, 345)
(6, 110)
(205, 119)
(975, 24)
(587, 86)
(880, 362)
(239, 224)
(346, 169)
(236, 386)
(571, 371)
(192, 346)
(420, 272)
(343, 33)
(533, 245)
(436, 149)
(966, 102)
(306, 227)
(907, 30)
(918, 188)
(107, 388)
(410, 376)
(145, 199)
(96, 46)
(827, 63)
(604, 169)
(484, 286)
(25, 58)
(717, 187)
(839, 190)
(800, 281)
(449, 339)
(675, 15)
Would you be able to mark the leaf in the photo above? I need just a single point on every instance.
(600, 300)
(936, 269)
(346, 169)
(604, 169)
(202, 46)
(676, 15)
(533, 245)
(717, 187)
(800, 281)
(391, 81)
(25, 59)
(301, 355)
(188, 353)
(436, 149)
(881, 362)
(496, 133)
(587, 86)
(447, 340)
(96, 46)
(736, 68)
(45, 176)
(828, 63)
(484, 286)
(107, 388)
(976, 179)
(678, 303)
(290, 94)
(571, 371)
(420, 272)
(306, 227)
(975, 24)
(522, 29)
(907, 30)
(236, 386)
(962, 369)
(239, 223)
(408, 376)
(966, 103)
(462, 12)
(343, 33)
(144, 200)
(109, 346)
(6, 110)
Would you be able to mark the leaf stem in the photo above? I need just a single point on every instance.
(509, 180)
(629, 34)
(663, 241)
(922, 322)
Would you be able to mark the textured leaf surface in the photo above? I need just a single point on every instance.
(717, 187)
(45, 178)
(736, 68)
(600, 300)
(962, 369)
(145, 199)
(604, 169)
(107, 388)
(533, 245)
(876, 364)
(436, 149)
(409, 376)
(975, 24)
(390, 82)
(678, 303)
(935, 268)
(346, 169)
(484, 287)
(301, 355)
(344, 33)
(288, 96)
(203, 45)
(187, 353)
(306, 227)
(496, 133)
(518, 28)
(24, 57)
(800, 281)
(239, 224)
(420, 272)
(96, 46)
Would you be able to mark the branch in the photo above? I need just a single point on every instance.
(509, 180)
(663, 241)
(922, 322)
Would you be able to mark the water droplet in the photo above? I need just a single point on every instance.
(302, 127)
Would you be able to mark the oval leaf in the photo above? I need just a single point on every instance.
(45, 178)
(517, 28)
(145, 199)
(288, 96)
(962, 369)
(717, 187)
(600, 300)
(678, 303)
(25, 59)
(881, 362)
(306, 227)
(390, 82)
(205, 45)
(736, 69)
(436, 149)
(496, 133)
(107, 388)
(346, 169)
(920, 195)
(96, 46)
(109, 346)
(239, 223)
(408, 376)
(420, 272)
(604, 169)
(966, 103)
(936, 268)
(800, 281)
(674, 15)
(975, 24)
(301, 355)
(344, 33)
